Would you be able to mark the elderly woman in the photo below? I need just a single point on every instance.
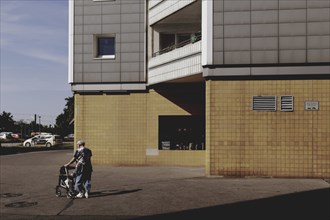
(84, 169)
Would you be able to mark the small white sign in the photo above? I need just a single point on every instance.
(152, 152)
(311, 105)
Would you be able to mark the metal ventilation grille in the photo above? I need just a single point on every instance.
(264, 103)
(287, 103)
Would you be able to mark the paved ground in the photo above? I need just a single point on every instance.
(29, 180)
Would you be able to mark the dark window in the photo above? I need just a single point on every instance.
(181, 133)
(106, 46)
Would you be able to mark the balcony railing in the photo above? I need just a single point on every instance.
(192, 40)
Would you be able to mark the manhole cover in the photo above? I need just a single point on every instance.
(21, 204)
(9, 195)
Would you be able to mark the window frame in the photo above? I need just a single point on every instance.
(96, 54)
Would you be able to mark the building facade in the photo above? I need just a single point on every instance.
(240, 87)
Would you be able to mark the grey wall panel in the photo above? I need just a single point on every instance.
(78, 68)
(264, 30)
(318, 28)
(265, 56)
(92, 68)
(92, 19)
(130, 57)
(218, 32)
(130, 37)
(218, 18)
(130, 47)
(292, 4)
(111, 19)
(271, 31)
(111, 77)
(321, 55)
(78, 58)
(129, 77)
(111, 9)
(231, 31)
(218, 6)
(78, 49)
(240, 17)
(218, 44)
(122, 19)
(78, 29)
(78, 9)
(237, 44)
(78, 20)
(78, 39)
(292, 29)
(131, 67)
(292, 56)
(218, 57)
(130, 28)
(318, 14)
(264, 43)
(130, 18)
(237, 5)
(237, 57)
(318, 42)
(93, 9)
(257, 5)
(131, 9)
(264, 17)
(291, 16)
(92, 29)
(78, 77)
(110, 28)
(293, 43)
(318, 3)
(92, 77)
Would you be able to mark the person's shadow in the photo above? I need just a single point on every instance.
(111, 192)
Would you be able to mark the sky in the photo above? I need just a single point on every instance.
(34, 59)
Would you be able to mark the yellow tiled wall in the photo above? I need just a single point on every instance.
(119, 128)
(242, 142)
(113, 126)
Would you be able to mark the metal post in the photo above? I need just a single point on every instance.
(39, 124)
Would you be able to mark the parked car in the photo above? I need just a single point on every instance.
(54, 140)
(5, 135)
(15, 136)
(43, 140)
(69, 137)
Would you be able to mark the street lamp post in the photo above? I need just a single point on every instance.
(39, 124)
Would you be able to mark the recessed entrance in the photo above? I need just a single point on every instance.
(181, 133)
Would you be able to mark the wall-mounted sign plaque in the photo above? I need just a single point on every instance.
(312, 105)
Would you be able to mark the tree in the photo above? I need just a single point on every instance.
(7, 122)
(63, 121)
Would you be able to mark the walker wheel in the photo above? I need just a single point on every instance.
(69, 195)
(58, 192)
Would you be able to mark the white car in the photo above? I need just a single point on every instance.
(43, 140)
(4, 135)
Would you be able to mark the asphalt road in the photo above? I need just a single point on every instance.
(27, 191)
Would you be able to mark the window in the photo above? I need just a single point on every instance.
(105, 47)
(181, 133)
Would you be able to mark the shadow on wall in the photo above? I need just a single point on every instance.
(189, 96)
(303, 205)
